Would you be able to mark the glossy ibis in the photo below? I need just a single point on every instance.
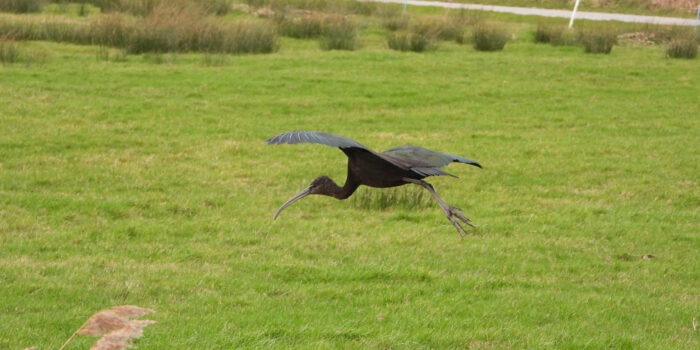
(394, 167)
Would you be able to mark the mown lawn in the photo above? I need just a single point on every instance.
(150, 184)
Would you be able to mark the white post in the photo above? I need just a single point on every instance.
(405, 5)
(573, 13)
(697, 19)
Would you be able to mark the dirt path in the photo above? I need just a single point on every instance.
(595, 16)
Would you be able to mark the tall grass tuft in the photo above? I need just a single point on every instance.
(568, 38)
(440, 27)
(365, 8)
(9, 51)
(490, 37)
(305, 25)
(170, 28)
(248, 37)
(44, 28)
(145, 7)
(396, 22)
(21, 6)
(287, 5)
(339, 33)
(166, 29)
(410, 41)
(134, 7)
(598, 40)
(682, 47)
(400, 197)
(556, 35)
(548, 33)
(114, 29)
(216, 7)
(15, 27)
(177, 29)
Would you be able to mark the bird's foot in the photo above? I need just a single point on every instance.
(455, 217)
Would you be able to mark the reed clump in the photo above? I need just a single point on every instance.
(9, 51)
(247, 36)
(168, 28)
(145, 7)
(410, 41)
(683, 47)
(12, 52)
(183, 29)
(171, 29)
(20, 6)
(555, 35)
(59, 29)
(440, 27)
(490, 37)
(115, 29)
(339, 33)
(598, 39)
(548, 33)
(300, 25)
(364, 8)
(396, 22)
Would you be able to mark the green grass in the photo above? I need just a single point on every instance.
(149, 184)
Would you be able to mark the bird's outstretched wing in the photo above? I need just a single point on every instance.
(423, 161)
(319, 137)
(417, 159)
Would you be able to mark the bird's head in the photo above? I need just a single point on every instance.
(320, 185)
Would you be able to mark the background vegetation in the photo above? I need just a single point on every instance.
(662, 7)
(143, 179)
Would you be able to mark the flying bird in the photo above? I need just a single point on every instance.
(394, 167)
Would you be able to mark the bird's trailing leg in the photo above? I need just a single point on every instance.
(451, 212)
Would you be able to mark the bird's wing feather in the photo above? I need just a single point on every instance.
(319, 137)
(423, 161)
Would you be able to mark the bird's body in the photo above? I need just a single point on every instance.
(394, 167)
(370, 169)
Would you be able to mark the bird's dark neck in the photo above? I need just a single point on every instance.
(344, 192)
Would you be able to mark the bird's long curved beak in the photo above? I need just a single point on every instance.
(298, 196)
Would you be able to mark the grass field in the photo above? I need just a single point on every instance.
(150, 184)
